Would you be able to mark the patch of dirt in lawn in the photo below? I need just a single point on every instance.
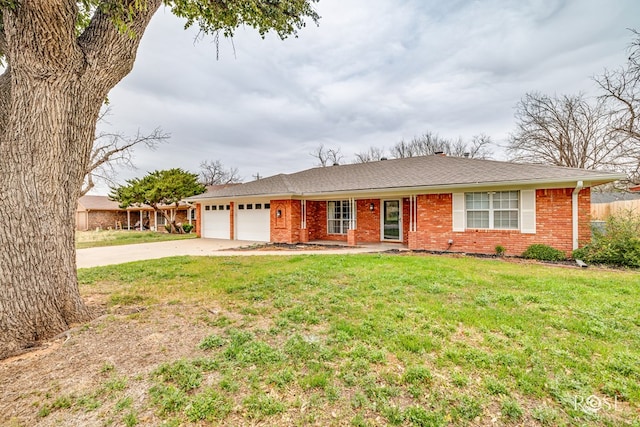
(126, 343)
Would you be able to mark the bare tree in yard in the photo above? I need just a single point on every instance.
(373, 154)
(430, 143)
(62, 58)
(567, 131)
(213, 172)
(327, 156)
(115, 149)
(621, 89)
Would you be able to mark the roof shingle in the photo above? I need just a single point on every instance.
(424, 171)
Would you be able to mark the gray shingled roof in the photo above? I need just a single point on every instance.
(424, 171)
(98, 203)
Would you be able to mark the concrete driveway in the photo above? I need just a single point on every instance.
(93, 257)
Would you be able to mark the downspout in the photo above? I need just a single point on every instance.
(574, 212)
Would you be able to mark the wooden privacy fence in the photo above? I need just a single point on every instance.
(601, 211)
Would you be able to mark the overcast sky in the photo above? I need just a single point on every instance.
(372, 73)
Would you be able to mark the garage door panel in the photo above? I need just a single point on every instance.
(253, 224)
(216, 224)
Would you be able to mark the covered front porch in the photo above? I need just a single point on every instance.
(352, 221)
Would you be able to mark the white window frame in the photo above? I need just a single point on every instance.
(343, 221)
(492, 210)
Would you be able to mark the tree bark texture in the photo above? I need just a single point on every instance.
(50, 97)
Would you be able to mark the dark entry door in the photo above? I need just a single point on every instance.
(391, 220)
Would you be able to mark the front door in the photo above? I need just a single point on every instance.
(391, 220)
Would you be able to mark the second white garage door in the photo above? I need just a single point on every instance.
(253, 222)
(215, 224)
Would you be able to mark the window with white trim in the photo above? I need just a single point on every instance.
(492, 210)
(338, 215)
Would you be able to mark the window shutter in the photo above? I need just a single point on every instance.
(458, 212)
(528, 211)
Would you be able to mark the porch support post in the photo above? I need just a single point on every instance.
(303, 214)
(141, 225)
(304, 232)
(353, 213)
(155, 221)
(128, 219)
(189, 215)
(413, 222)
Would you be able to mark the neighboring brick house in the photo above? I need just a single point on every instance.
(98, 212)
(428, 202)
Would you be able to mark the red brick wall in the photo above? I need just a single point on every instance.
(405, 219)
(232, 221)
(198, 223)
(286, 227)
(105, 220)
(368, 223)
(553, 218)
(317, 222)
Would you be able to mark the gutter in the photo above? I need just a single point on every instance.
(574, 212)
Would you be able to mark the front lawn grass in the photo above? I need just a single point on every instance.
(384, 339)
(92, 239)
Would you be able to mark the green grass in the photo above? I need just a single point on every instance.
(384, 339)
(92, 239)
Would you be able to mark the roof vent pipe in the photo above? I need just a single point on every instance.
(383, 158)
(336, 164)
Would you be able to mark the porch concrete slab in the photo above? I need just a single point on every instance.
(108, 255)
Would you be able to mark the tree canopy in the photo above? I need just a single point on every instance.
(159, 189)
(62, 58)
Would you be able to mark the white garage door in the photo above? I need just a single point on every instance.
(215, 222)
(253, 221)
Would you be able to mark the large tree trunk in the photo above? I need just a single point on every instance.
(50, 97)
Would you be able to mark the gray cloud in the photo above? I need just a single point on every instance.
(372, 73)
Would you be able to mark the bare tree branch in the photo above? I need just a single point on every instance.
(568, 131)
(111, 150)
(213, 172)
(621, 89)
(373, 154)
(327, 156)
(430, 143)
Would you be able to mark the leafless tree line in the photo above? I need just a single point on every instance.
(576, 131)
(426, 144)
(213, 172)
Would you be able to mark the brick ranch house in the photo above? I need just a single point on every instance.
(430, 202)
(98, 212)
